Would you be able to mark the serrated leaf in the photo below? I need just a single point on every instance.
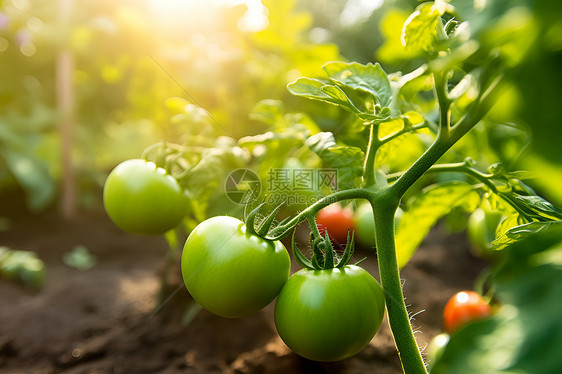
(359, 102)
(434, 202)
(313, 89)
(348, 161)
(521, 232)
(367, 78)
(420, 29)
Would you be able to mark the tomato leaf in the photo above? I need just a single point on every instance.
(268, 111)
(33, 175)
(521, 232)
(348, 161)
(318, 90)
(363, 90)
(538, 205)
(420, 29)
(368, 78)
(431, 204)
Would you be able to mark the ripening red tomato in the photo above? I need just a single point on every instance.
(462, 308)
(337, 220)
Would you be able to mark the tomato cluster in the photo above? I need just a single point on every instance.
(321, 314)
(231, 269)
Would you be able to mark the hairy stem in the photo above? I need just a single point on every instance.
(384, 207)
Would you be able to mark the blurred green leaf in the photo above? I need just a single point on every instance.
(521, 232)
(79, 258)
(420, 29)
(537, 205)
(22, 265)
(268, 111)
(426, 209)
(347, 160)
(33, 175)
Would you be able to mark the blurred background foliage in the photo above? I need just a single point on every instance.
(131, 56)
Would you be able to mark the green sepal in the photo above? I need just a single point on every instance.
(265, 225)
(299, 256)
(317, 255)
(251, 219)
(360, 261)
(348, 252)
(328, 252)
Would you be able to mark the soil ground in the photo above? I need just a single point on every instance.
(108, 320)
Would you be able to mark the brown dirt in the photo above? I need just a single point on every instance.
(107, 319)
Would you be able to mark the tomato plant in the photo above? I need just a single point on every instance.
(398, 143)
(462, 308)
(142, 198)
(338, 221)
(329, 315)
(230, 271)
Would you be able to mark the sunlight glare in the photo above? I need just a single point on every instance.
(166, 11)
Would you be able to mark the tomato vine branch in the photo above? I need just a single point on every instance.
(369, 167)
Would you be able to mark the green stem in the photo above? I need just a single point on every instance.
(384, 207)
(463, 167)
(444, 103)
(405, 130)
(369, 166)
(282, 231)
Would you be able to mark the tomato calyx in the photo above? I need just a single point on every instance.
(324, 256)
(261, 225)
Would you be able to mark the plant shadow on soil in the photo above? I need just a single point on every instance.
(107, 320)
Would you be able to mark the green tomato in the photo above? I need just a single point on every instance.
(231, 272)
(329, 315)
(482, 227)
(365, 225)
(141, 198)
(436, 347)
